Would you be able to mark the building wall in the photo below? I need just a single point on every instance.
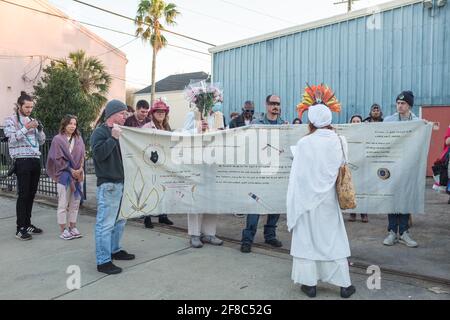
(179, 107)
(408, 48)
(25, 33)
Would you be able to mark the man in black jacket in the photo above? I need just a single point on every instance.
(248, 110)
(110, 177)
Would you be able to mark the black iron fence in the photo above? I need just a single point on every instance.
(46, 185)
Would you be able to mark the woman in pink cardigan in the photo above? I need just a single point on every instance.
(65, 166)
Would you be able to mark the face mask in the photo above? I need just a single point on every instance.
(217, 107)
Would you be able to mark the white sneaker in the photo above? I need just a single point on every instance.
(195, 242)
(391, 239)
(212, 240)
(75, 233)
(66, 235)
(406, 239)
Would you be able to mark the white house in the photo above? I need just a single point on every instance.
(171, 88)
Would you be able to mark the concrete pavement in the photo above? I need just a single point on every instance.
(165, 267)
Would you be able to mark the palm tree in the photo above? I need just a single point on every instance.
(94, 79)
(149, 27)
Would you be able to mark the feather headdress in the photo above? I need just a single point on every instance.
(320, 94)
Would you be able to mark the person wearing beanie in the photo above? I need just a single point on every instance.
(399, 223)
(319, 246)
(375, 114)
(110, 177)
(405, 102)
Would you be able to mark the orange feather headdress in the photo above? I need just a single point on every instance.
(320, 94)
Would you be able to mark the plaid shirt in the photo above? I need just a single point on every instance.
(23, 143)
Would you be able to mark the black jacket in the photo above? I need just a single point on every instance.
(238, 122)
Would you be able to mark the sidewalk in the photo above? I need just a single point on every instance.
(431, 231)
(165, 267)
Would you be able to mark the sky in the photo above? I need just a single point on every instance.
(214, 21)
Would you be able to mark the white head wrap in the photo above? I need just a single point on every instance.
(319, 115)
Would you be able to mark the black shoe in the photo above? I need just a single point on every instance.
(109, 268)
(148, 222)
(347, 292)
(165, 220)
(309, 291)
(122, 255)
(22, 234)
(274, 243)
(246, 248)
(34, 230)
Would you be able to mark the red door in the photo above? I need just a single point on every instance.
(440, 115)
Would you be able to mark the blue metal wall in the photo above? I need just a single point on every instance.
(411, 51)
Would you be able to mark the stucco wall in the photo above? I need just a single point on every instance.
(24, 33)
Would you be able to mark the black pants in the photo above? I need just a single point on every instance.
(28, 171)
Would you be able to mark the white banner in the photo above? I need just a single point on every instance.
(246, 170)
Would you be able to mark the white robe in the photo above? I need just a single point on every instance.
(319, 240)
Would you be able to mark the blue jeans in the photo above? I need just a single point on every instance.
(398, 222)
(108, 230)
(252, 224)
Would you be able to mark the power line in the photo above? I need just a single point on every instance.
(131, 19)
(258, 12)
(219, 19)
(94, 25)
(116, 49)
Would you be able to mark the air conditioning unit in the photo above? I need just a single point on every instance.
(428, 4)
(441, 3)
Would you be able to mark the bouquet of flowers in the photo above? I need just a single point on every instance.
(204, 95)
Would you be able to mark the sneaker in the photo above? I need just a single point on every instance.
(165, 220)
(66, 235)
(108, 268)
(274, 243)
(75, 233)
(246, 248)
(196, 242)
(34, 230)
(211, 239)
(406, 239)
(391, 239)
(148, 222)
(310, 291)
(122, 255)
(22, 234)
(347, 292)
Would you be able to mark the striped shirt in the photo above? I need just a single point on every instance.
(23, 143)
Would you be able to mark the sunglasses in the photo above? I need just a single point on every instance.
(274, 103)
(249, 111)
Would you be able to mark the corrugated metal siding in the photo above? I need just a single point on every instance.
(410, 51)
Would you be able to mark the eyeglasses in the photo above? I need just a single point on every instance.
(274, 103)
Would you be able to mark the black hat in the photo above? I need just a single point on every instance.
(406, 96)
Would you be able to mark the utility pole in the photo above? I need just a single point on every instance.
(348, 2)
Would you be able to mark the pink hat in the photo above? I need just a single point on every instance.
(159, 105)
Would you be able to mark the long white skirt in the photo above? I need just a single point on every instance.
(308, 272)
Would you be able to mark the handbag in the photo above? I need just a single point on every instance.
(344, 185)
